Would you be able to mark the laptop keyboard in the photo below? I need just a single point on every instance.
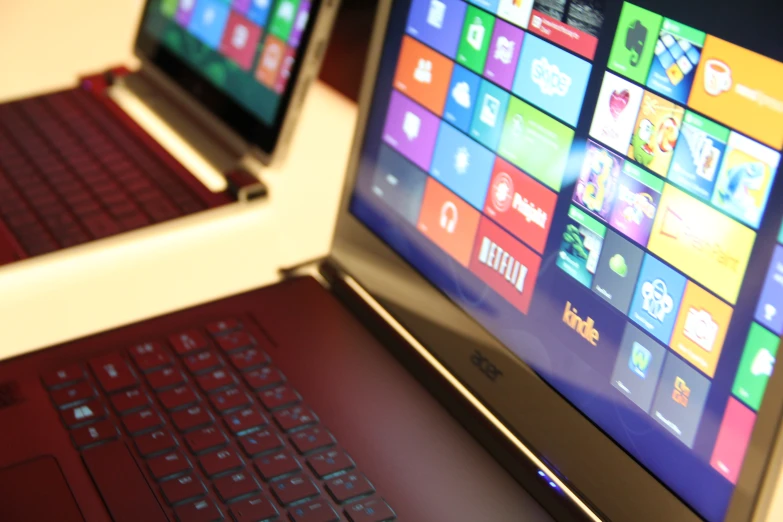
(70, 172)
(219, 431)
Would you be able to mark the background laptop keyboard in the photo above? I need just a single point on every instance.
(70, 172)
(216, 428)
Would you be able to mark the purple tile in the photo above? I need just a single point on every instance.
(770, 308)
(411, 130)
(241, 5)
(504, 54)
(300, 24)
(185, 12)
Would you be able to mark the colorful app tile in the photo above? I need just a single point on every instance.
(745, 179)
(462, 165)
(504, 54)
(476, 39)
(698, 155)
(701, 328)
(289, 58)
(423, 75)
(240, 40)
(258, 11)
(208, 21)
(615, 114)
(741, 89)
(520, 204)
(638, 197)
(536, 143)
(679, 402)
(168, 8)
(596, 188)
(733, 440)
(489, 115)
(574, 25)
(411, 130)
(657, 298)
(780, 235)
(634, 43)
(656, 133)
(489, 5)
(677, 55)
(769, 311)
(580, 250)
(506, 265)
(283, 18)
(242, 6)
(756, 366)
(185, 12)
(552, 79)
(399, 183)
(271, 61)
(618, 271)
(638, 367)
(300, 24)
(448, 221)
(462, 97)
(516, 11)
(437, 23)
(703, 243)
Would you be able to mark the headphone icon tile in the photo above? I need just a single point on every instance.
(449, 217)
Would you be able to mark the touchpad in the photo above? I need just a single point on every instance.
(36, 490)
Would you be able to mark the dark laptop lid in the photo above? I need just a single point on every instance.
(595, 185)
(239, 58)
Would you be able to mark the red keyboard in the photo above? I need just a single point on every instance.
(70, 172)
(206, 423)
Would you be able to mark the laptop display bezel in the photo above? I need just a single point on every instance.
(221, 105)
(595, 467)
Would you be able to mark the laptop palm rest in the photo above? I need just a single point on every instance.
(36, 490)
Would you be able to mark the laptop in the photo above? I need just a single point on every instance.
(554, 293)
(228, 77)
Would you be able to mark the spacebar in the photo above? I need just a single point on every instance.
(121, 484)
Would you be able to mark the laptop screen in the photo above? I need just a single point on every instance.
(596, 183)
(244, 48)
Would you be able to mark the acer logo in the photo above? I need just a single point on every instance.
(491, 371)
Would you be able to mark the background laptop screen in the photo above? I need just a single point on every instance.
(245, 48)
(601, 178)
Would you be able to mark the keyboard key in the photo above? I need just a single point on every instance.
(235, 485)
(63, 376)
(100, 225)
(129, 400)
(205, 439)
(189, 342)
(150, 356)
(87, 412)
(245, 420)
(168, 465)
(94, 433)
(202, 362)
(220, 462)
(248, 359)
(141, 421)
(198, 511)
(349, 487)
(74, 394)
(178, 397)
(314, 511)
(274, 466)
(191, 418)
(154, 442)
(330, 462)
(372, 510)
(260, 442)
(294, 489)
(236, 340)
(229, 400)
(222, 327)
(181, 489)
(145, 349)
(255, 509)
(312, 439)
(295, 417)
(215, 380)
(165, 378)
(112, 373)
(279, 397)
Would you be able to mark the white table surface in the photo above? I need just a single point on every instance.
(44, 45)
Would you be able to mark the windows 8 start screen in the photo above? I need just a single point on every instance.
(616, 210)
